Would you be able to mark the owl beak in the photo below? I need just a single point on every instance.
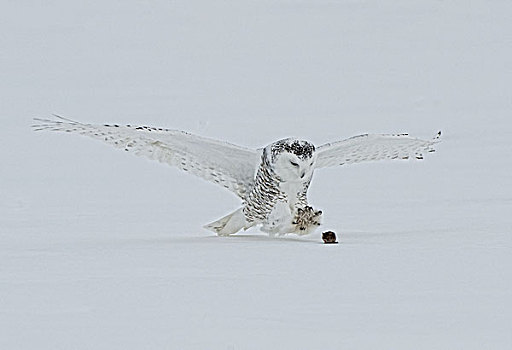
(302, 174)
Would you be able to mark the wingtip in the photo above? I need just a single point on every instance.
(39, 124)
(64, 118)
(49, 122)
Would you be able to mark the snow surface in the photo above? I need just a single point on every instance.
(102, 250)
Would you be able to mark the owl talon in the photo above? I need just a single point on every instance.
(306, 218)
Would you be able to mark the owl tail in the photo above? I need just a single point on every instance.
(229, 224)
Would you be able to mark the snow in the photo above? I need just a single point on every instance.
(103, 250)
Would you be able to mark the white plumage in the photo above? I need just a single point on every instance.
(272, 182)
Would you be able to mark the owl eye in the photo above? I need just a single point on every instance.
(293, 163)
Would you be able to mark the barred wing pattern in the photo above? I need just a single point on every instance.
(370, 147)
(225, 164)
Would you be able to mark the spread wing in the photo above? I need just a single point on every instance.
(225, 164)
(370, 147)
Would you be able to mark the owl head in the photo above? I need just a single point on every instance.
(292, 159)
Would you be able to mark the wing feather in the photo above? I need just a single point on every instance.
(225, 164)
(370, 147)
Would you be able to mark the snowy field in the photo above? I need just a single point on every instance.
(103, 250)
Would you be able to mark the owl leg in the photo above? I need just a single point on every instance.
(278, 221)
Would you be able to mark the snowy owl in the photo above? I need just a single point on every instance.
(272, 182)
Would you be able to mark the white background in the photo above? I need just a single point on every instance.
(103, 250)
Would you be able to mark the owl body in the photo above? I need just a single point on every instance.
(280, 188)
(272, 182)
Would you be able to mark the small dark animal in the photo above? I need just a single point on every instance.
(329, 237)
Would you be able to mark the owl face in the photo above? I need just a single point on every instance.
(293, 160)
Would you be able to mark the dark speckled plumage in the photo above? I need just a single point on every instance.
(301, 149)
